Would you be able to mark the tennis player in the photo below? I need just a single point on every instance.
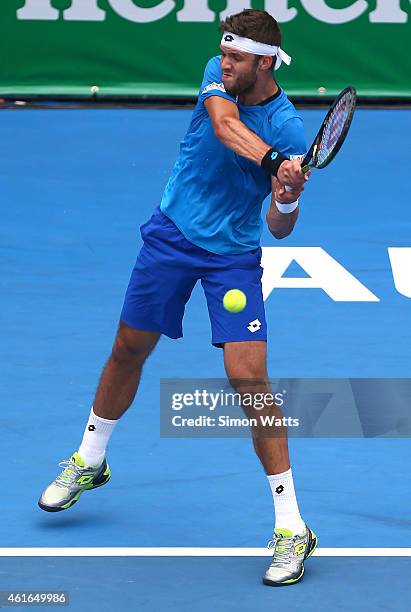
(242, 145)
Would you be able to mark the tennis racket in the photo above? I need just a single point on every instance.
(333, 131)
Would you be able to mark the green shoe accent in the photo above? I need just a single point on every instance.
(286, 533)
(78, 460)
(292, 580)
(72, 501)
(85, 480)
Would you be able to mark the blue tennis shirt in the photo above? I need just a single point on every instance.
(215, 196)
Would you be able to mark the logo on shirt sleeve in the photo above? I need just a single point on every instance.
(214, 86)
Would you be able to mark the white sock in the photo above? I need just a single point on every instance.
(95, 439)
(287, 514)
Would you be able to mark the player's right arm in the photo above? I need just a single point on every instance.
(232, 132)
(235, 135)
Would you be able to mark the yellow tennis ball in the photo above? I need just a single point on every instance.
(234, 300)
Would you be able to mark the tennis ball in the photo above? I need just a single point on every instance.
(234, 300)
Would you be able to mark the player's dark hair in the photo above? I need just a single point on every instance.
(255, 24)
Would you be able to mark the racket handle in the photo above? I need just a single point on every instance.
(303, 169)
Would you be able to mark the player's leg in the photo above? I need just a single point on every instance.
(116, 390)
(293, 542)
(159, 287)
(243, 336)
(246, 367)
(87, 468)
(122, 372)
(245, 364)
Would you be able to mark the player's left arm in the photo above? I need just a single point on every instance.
(284, 207)
(281, 224)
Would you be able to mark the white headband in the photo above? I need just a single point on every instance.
(232, 41)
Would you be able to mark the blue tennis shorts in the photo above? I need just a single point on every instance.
(167, 268)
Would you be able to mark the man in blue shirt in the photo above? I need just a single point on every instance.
(244, 142)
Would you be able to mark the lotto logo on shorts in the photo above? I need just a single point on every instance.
(254, 326)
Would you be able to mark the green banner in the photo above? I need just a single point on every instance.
(160, 47)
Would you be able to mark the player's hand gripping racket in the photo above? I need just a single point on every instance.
(332, 133)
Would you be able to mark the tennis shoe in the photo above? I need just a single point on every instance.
(290, 552)
(76, 478)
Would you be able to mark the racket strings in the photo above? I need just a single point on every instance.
(334, 127)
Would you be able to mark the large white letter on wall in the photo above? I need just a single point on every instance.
(128, 10)
(196, 11)
(324, 271)
(38, 9)
(321, 11)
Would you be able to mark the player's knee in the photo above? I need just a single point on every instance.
(129, 351)
(244, 378)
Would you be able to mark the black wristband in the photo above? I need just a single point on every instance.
(272, 160)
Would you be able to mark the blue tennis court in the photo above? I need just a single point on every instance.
(75, 187)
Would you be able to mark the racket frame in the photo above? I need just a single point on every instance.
(309, 160)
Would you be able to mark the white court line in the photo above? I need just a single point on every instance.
(194, 552)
